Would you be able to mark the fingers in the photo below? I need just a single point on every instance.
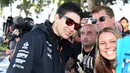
(16, 32)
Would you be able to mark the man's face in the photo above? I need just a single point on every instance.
(124, 23)
(102, 20)
(88, 35)
(66, 25)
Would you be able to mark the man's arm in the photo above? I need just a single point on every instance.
(24, 57)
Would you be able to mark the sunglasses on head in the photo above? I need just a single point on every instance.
(70, 22)
(101, 19)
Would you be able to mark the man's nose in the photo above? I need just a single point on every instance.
(98, 23)
(72, 28)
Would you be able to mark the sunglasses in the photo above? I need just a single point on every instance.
(101, 19)
(70, 22)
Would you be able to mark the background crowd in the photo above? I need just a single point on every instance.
(71, 44)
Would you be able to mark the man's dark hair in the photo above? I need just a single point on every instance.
(123, 18)
(23, 25)
(107, 9)
(28, 19)
(70, 7)
(86, 14)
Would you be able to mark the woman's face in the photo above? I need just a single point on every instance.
(107, 45)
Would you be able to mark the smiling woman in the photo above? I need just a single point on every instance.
(106, 50)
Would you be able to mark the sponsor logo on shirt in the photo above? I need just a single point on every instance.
(21, 56)
(25, 45)
(50, 45)
(49, 49)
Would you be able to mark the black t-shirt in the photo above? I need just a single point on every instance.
(87, 63)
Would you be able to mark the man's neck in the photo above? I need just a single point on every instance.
(54, 29)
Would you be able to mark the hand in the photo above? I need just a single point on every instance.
(16, 32)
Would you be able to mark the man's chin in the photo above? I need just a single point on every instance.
(65, 37)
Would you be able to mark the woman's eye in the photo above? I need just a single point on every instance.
(113, 41)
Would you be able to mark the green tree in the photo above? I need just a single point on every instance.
(0, 11)
(40, 4)
(5, 3)
(25, 6)
(76, 1)
(37, 4)
(92, 3)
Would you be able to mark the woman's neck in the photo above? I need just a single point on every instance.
(113, 71)
(112, 62)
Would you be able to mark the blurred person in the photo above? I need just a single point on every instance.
(84, 56)
(11, 43)
(19, 29)
(106, 50)
(29, 21)
(39, 51)
(7, 26)
(125, 25)
(2, 34)
(75, 43)
(103, 16)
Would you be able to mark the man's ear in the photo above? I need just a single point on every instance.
(113, 20)
(56, 17)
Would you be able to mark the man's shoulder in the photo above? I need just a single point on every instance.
(34, 35)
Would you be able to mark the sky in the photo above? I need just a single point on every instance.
(119, 14)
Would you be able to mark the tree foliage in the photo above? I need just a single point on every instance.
(37, 4)
(108, 2)
(25, 5)
(4, 3)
